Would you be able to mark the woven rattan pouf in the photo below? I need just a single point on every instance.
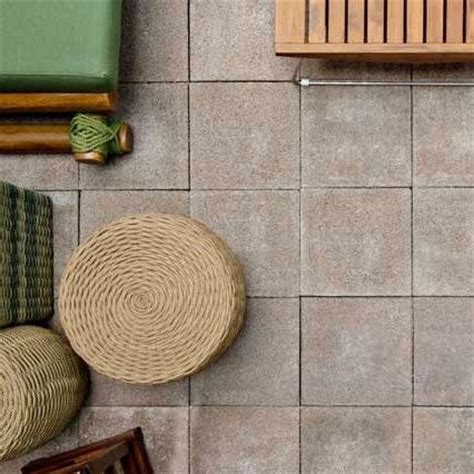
(42, 386)
(26, 256)
(152, 298)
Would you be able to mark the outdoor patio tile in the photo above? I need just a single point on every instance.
(348, 347)
(443, 142)
(99, 208)
(346, 70)
(66, 441)
(345, 140)
(158, 116)
(234, 40)
(355, 242)
(165, 431)
(40, 171)
(443, 224)
(242, 144)
(356, 440)
(262, 228)
(65, 230)
(444, 352)
(444, 72)
(244, 440)
(443, 441)
(155, 40)
(261, 367)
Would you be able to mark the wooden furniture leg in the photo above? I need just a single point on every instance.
(124, 453)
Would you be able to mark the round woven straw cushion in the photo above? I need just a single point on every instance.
(152, 298)
(42, 386)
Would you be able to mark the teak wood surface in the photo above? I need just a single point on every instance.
(33, 102)
(376, 30)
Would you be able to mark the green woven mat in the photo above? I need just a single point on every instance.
(26, 256)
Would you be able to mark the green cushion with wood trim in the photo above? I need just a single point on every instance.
(59, 45)
(26, 256)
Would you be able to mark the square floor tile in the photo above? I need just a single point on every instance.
(356, 242)
(40, 171)
(234, 40)
(66, 441)
(268, 344)
(443, 143)
(244, 440)
(356, 440)
(154, 40)
(444, 72)
(99, 208)
(65, 230)
(165, 431)
(443, 441)
(262, 229)
(356, 351)
(443, 224)
(159, 118)
(444, 351)
(348, 70)
(244, 144)
(345, 140)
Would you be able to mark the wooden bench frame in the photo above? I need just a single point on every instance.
(376, 30)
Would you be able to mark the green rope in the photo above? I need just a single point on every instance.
(94, 133)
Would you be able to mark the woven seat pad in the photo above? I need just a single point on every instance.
(152, 298)
(42, 386)
(26, 256)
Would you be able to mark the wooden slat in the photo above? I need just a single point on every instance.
(337, 21)
(454, 21)
(290, 21)
(375, 21)
(415, 21)
(395, 17)
(434, 21)
(317, 21)
(469, 21)
(356, 20)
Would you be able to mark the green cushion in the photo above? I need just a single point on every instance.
(59, 45)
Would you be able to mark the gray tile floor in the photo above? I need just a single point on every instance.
(352, 211)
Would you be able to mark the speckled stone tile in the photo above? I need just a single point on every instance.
(348, 347)
(346, 70)
(444, 72)
(159, 118)
(345, 140)
(262, 229)
(234, 40)
(443, 224)
(154, 40)
(443, 441)
(443, 143)
(268, 344)
(244, 440)
(444, 351)
(66, 441)
(65, 230)
(165, 431)
(244, 144)
(99, 208)
(356, 440)
(355, 242)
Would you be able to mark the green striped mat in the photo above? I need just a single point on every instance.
(26, 256)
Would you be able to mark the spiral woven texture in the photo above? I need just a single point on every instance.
(152, 298)
(42, 386)
(26, 255)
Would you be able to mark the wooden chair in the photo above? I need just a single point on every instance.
(376, 30)
(124, 453)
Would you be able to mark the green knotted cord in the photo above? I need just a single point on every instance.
(94, 133)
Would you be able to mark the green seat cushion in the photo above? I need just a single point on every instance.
(59, 45)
